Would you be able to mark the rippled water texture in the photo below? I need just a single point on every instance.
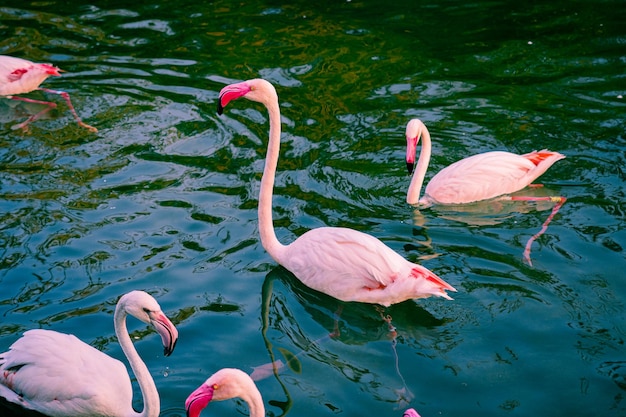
(163, 198)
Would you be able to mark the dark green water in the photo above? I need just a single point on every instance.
(164, 197)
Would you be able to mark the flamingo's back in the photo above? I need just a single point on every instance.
(354, 266)
(487, 175)
(59, 375)
(19, 76)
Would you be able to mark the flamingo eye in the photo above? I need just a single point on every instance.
(215, 386)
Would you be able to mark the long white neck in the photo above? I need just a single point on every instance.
(266, 224)
(255, 402)
(150, 395)
(417, 180)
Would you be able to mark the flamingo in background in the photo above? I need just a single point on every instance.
(56, 374)
(341, 262)
(230, 383)
(479, 177)
(19, 76)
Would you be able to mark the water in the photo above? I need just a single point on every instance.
(164, 197)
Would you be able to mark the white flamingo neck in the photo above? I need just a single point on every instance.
(415, 187)
(266, 225)
(255, 403)
(150, 395)
(245, 388)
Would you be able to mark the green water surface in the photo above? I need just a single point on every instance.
(163, 198)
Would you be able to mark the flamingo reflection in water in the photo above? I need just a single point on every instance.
(360, 325)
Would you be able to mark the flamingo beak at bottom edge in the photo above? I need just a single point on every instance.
(409, 167)
(411, 413)
(198, 400)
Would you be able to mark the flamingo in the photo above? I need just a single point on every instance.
(56, 374)
(340, 262)
(230, 383)
(479, 177)
(19, 76)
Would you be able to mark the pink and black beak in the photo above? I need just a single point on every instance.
(230, 93)
(198, 400)
(220, 107)
(167, 330)
(411, 147)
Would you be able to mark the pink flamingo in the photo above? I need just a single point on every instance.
(340, 262)
(58, 375)
(479, 177)
(19, 76)
(230, 383)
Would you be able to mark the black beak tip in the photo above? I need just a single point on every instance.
(220, 109)
(409, 167)
(167, 350)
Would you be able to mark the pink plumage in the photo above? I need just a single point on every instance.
(20, 76)
(58, 375)
(341, 262)
(479, 177)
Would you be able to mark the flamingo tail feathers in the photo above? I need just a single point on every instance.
(440, 285)
(536, 157)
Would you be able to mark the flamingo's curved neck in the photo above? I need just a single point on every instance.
(266, 225)
(151, 402)
(417, 180)
(255, 403)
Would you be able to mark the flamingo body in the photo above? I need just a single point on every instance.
(20, 76)
(343, 263)
(487, 175)
(230, 383)
(85, 387)
(354, 266)
(478, 177)
(56, 374)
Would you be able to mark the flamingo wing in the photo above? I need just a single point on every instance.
(59, 375)
(354, 266)
(19, 76)
(9, 64)
(11, 71)
(488, 175)
(344, 260)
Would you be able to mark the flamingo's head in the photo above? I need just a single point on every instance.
(256, 90)
(223, 385)
(144, 307)
(199, 399)
(413, 134)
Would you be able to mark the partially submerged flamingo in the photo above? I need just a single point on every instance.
(19, 76)
(341, 262)
(479, 177)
